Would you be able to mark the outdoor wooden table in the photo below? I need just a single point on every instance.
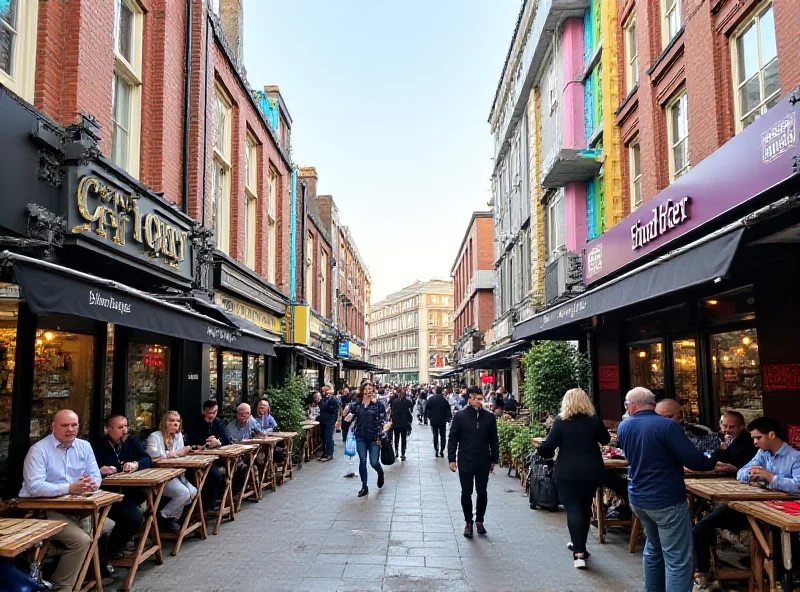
(200, 466)
(286, 466)
(599, 506)
(97, 504)
(229, 455)
(690, 474)
(152, 482)
(762, 518)
(266, 476)
(730, 490)
(313, 438)
(18, 535)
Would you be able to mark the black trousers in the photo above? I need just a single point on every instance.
(577, 496)
(345, 429)
(128, 522)
(400, 435)
(212, 488)
(480, 481)
(439, 436)
(704, 533)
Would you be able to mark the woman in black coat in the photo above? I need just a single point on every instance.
(577, 433)
(401, 415)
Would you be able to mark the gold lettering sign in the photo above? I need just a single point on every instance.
(265, 320)
(109, 213)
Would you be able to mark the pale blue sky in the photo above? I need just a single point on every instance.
(389, 100)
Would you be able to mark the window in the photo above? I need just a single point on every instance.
(635, 158)
(556, 225)
(251, 200)
(551, 89)
(631, 54)
(323, 283)
(309, 287)
(221, 175)
(126, 88)
(755, 64)
(678, 127)
(671, 20)
(18, 23)
(271, 227)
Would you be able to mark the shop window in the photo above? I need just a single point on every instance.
(232, 378)
(212, 377)
(646, 362)
(735, 306)
(755, 65)
(255, 378)
(736, 372)
(109, 386)
(148, 385)
(18, 21)
(62, 379)
(684, 369)
(8, 348)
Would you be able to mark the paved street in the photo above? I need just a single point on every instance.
(315, 534)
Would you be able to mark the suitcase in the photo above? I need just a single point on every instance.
(542, 492)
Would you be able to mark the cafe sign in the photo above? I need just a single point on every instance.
(130, 221)
(265, 320)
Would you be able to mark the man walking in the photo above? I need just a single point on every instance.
(657, 450)
(438, 411)
(328, 414)
(473, 451)
(400, 414)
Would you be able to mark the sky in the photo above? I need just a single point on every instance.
(389, 101)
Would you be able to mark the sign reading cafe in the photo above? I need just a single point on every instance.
(133, 222)
(665, 217)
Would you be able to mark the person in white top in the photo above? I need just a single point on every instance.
(167, 442)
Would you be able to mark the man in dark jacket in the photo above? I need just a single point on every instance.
(328, 414)
(207, 431)
(401, 415)
(473, 451)
(438, 411)
(509, 402)
(118, 452)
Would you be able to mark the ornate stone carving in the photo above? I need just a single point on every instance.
(47, 227)
(203, 248)
(49, 169)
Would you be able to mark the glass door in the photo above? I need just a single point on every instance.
(646, 363)
(684, 371)
(736, 372)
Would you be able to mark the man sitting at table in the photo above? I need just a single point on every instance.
(703, 439)
(243, 427)
(266, 423)
(119, 452)
(776, 464)
(207, 432)
(58, 465)
(740, 450)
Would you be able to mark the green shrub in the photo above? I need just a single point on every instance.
(551, 369)
(521, 445)
(286, 406)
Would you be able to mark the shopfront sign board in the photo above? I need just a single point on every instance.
(267, 321)
(343, 350)
(757, 159)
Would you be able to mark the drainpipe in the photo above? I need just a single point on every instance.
(292, 251)
(187, 89)
(303, 238)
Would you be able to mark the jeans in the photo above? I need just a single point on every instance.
(440, 434)
(327, 433)
(704, 533)
(400, 435)
(577, 496)
(667, 554)
(128, 522)
(374, 450)
(481, 480)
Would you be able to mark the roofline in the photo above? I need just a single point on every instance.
(475, 216)
(508, 58)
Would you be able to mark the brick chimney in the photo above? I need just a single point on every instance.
(231, 15)
(309, 175)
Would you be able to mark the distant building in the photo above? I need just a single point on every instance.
(411, 332)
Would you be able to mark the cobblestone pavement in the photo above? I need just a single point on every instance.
(314, 534)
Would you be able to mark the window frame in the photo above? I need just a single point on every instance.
(272, 230)
(635, 179)
(251, 170)
(130, 74)
(675, 174)
(631, 53)
(224, 162)
(23, 60)
(668, 7)
(753, 18)
(553, 206)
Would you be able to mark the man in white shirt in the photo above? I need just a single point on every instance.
(61, 464)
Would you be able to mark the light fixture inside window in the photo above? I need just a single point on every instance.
(48, 335)
(711, 302)
(746, 340)
(642, 354)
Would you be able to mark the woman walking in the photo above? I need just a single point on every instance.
(167, 442)
(369, 416)
(579, 469)
(401, 415)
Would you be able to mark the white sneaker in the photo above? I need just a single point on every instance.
(579, 563)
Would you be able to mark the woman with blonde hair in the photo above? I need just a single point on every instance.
(167, 442)
(577, 433)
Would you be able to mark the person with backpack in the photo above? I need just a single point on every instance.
(579, 468)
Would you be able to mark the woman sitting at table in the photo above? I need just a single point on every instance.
(167, 442)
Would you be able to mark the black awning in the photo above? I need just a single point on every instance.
(53, 289)
(314, 355)
(497, 358)
(671, 273)
(350, 364)
(448, 374)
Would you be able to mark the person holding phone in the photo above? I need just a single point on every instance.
(370, 416)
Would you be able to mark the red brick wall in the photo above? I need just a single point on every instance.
(476, 253)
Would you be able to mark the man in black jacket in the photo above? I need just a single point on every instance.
(207, 431)
(473, 436)
(438, 411)
(118, 452)
(509, 402)
(328, 414)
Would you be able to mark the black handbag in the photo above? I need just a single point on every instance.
(387, 452)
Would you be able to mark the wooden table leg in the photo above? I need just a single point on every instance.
(601, 515)
(248, 478)
(271, 469)
(92, 556)
(227, 494)
(786, 549)
(288, 471)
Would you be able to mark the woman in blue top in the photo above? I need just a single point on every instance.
(369, 416)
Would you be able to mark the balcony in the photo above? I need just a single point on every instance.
(569, 165)
(563, 277)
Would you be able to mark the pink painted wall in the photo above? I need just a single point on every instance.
(575, 214)
(572, 64)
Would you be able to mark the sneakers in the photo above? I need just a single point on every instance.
(468, 530)
(480, 528)
(703, 585)
(169, 524)
(586, 554)
(579, 562)
(436, 454)
(364, 491)
(403, 457)
(380, 480)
